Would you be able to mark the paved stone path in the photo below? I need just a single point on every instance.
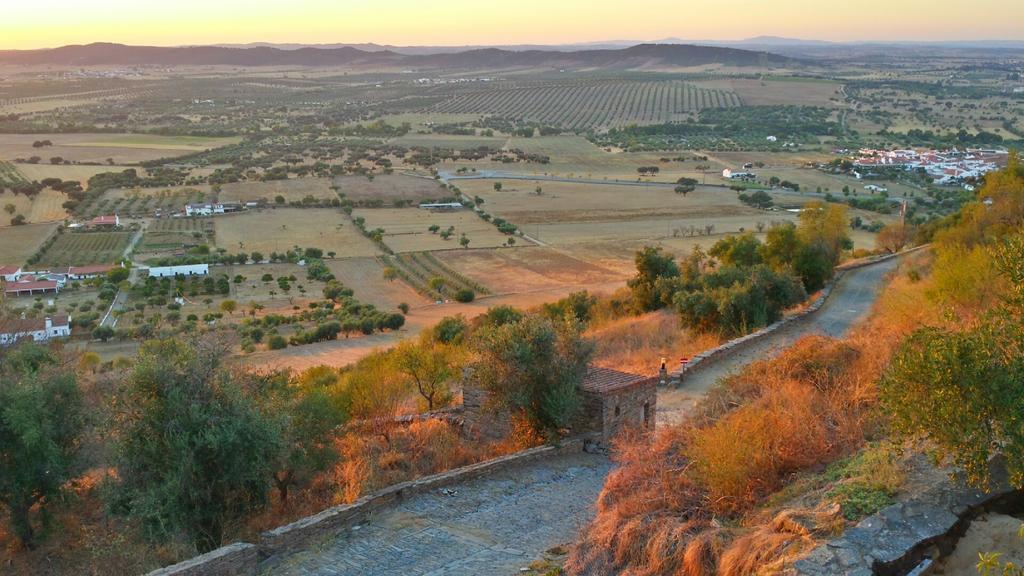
(850, 300)
(492, 525)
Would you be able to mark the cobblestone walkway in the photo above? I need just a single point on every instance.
(492, 525)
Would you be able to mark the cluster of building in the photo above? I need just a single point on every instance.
(946, 167)
(18, 282)
(211, 208)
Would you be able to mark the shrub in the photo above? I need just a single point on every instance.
(277, 342)
(465, 295)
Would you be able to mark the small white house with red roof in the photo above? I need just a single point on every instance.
(37, 329)
(9, 273)
(108, 221)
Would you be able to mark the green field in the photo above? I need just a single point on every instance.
(85, 248)
(584, 104)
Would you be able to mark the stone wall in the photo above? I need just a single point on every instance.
(478, 418)
(298, 535)
(924, 524)
(708, 357)
(242, 559)
(238, 559)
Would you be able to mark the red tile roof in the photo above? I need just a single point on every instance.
(603, 380)
(22, 325)
(23, 286)
(5, 270)
(96, 269)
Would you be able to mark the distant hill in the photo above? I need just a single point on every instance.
(643, 55)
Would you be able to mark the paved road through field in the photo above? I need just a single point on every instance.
(498, 524)
(849, 301)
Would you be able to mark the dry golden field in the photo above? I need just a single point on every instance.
(516, 270)
(281, 229)
(406, 229)
(47, 206)
(76, 172)
(293, 190)
(365, 276)
(121, 148)
(779, 92)
(18, 243)
(390, 188)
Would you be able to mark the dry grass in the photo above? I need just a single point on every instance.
(281, 229)
(751, 437)
(638, 343)
(18, 243)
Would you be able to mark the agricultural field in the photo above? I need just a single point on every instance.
(85, 248)
(292, 190)
(103, 149)
(167, 236)
(406, 229)
(449, 141)
(430, 277)
(146, 201)
(19, 243)
(75, 172)
(281, 229)
(528, 269)
(519, 203)
(46, 206)
(389, 189)
(590, 104)
(9, 175)
(779, 91)
(365, 276)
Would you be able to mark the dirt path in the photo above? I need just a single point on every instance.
(851, 299)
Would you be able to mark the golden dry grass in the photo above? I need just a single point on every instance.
(18, 243)
(281, 229)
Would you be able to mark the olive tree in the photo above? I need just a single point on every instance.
(41, 422)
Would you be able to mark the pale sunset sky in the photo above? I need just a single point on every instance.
(49, 23)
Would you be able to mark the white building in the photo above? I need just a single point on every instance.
(182, 270)
(442, 206)
(39, 330)
(9, 273)
(727, 173)
(874, 188)
(203, 209)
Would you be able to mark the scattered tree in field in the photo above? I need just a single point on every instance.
(434, 228)
(390, 273)
(309, 413)
(464, 241)
(404, 307)
(41, 421)
(10, 208)
(103, 333)
(430, 367)
(533, 367)
(465, 295)
(229, 306)
(497, 186)
(215, 467)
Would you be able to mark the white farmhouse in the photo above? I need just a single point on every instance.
(182, 270)
(39, 330)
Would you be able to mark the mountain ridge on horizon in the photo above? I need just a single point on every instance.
(638, 56)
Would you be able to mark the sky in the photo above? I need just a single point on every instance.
(28, 24)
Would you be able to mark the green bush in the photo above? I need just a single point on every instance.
(465, 295)
(277, 342)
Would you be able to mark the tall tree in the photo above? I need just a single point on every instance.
(534, 367)
(41, 421)
(194, 451)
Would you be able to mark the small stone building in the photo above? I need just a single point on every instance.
(612, 401)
